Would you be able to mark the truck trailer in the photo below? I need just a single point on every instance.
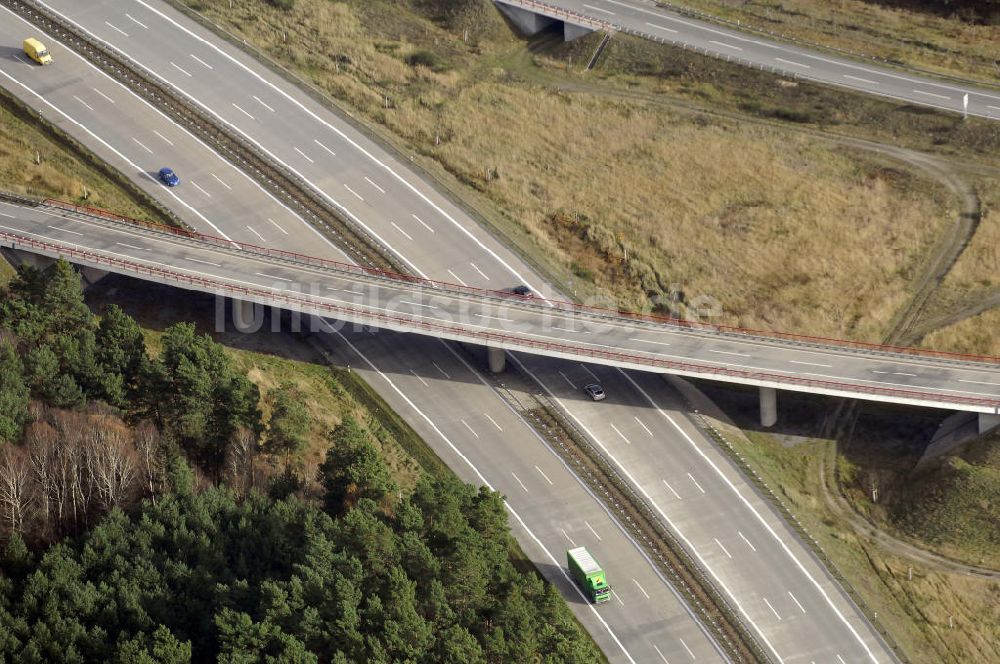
(588, 575)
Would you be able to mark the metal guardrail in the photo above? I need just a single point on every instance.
(559, 305)
(403, 322)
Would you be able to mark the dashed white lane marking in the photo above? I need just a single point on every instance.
(83, 102)
(180, 69)
(165, 139)
(650, 341)
(620, 434)
(261, 102)
(22, 61)
(615, 594)
(686, 648)
(488, 317)
(66, 230)
(811, 364)
(566, 378)
(931, 94)
(198, 260)
(443, 372)
(977, 382)
(724, 550)
(271, 276)
(749, 544)
(417, 304)
(841, 659)
(422, 381)
(457, 278)
(641, 589)
(103, 95)
(695, 482)
(304, 155)
(599, 9)
(793, 63)
(589, 527)
(356, 194)
(200, 61)
(139, 143)
(261, 237)
(900, 373)
(275, 224)
(244, 112)
(660, 27)
(476, 268)
(136, 21)
(776, 614)
(801, 608)
(405, 234)
(324, 147)
(132, 246)
(542, 473)
(676, 495)
(421, 221)
(519, 481)
(372, 183)
(116, 28)
(718, 43)
(198, 187)
(570, 540)
(567, 329)
(861, 80)
(501, 429)
(592, 374)
(473, 431)
(636, 417)
(220, 181)
(727, 352)
(9, 216)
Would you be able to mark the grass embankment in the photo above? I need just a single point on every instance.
(955, 38)
(765, 220)
(40, 160)
(935, 616)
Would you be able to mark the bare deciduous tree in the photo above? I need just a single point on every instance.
(111, 460)
(41, 440)
(147, 444)
(240, 454)
(15, 490)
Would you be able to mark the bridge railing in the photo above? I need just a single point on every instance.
(559, 305)
(392, 320)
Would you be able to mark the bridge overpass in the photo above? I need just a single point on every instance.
(501, 321)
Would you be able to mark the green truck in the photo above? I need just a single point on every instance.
(588, 574)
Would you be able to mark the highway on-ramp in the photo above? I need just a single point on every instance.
(450, 247)
(646, 19)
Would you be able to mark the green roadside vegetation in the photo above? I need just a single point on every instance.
(952, 37)
(164, 498)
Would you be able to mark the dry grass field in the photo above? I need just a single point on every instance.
(955, 41)
(785, 231)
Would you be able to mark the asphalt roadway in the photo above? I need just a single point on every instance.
(450, 247)
(646, 18)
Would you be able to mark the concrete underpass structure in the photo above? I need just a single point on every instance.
(530, 19)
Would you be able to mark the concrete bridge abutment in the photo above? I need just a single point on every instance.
(529, 23)
(988, 422)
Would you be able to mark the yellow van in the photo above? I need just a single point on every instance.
(36, 50)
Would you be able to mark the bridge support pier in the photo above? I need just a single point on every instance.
(768, 406)
(988, 422)
(497, 358)
(248, 317)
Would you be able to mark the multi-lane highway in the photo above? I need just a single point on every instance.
(774, 582)
(646, 19)
(491, 318)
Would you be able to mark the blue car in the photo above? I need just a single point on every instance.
(169, 178)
